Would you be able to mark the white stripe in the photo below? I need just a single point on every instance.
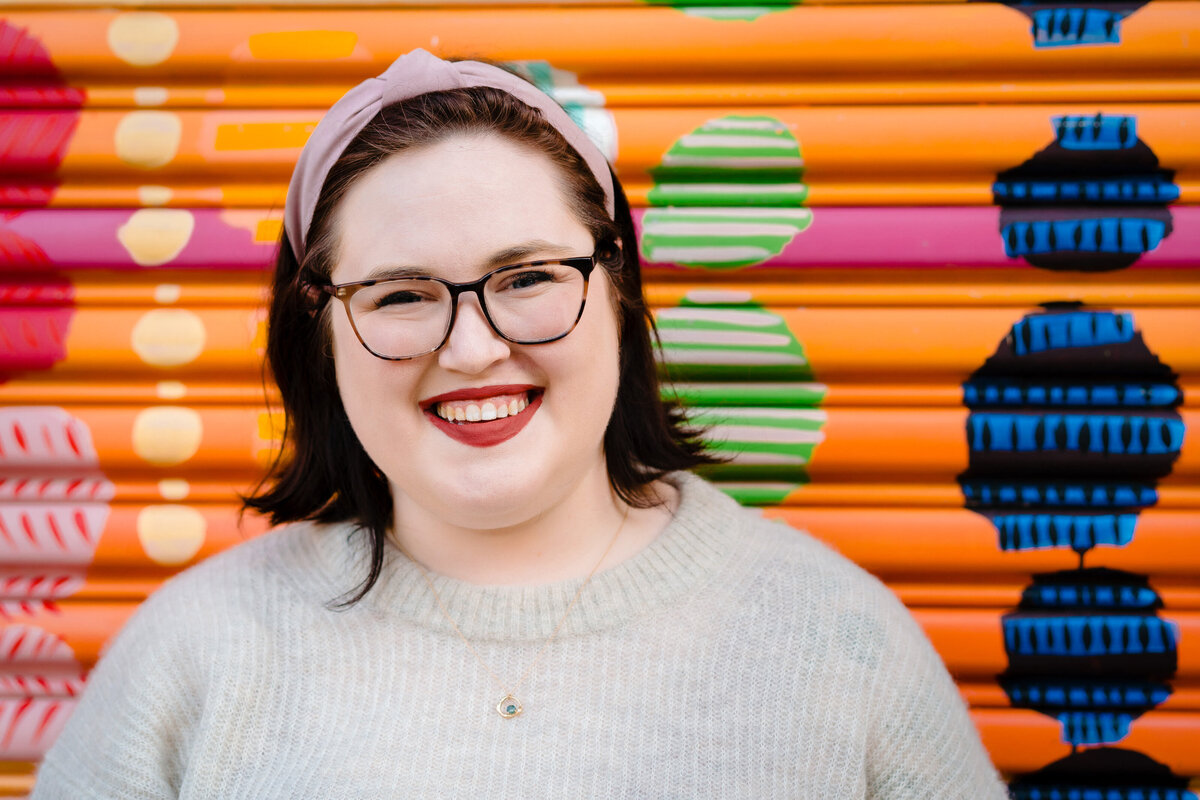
(734, 388)
(751, 412)
(715, 296)
(700, 228)
(733, 162)
(723, 337)
(766, 458)
(738, 358)
(752, 434)
(723, 316)
(728, 124)
(703, 138)
(709, 255)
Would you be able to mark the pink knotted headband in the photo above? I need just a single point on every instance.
(415, 73)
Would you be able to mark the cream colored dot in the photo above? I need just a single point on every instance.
(170, 390)
(148, 139)
(171, 534)
(167, 293)
(150, 95)
(143, 38)
(174, 488)
(168, 337)
(154, 195)
(154, 236)
(167, 435)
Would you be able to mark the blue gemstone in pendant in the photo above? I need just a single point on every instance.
(508, 707)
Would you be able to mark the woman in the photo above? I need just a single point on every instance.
(496, 583)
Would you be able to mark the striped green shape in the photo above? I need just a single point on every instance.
(761, 443)
(711, 342)
(719, 238)
(733, 190)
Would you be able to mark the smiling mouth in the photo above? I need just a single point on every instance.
(484, 409)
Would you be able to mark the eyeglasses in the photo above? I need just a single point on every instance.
(402, 318)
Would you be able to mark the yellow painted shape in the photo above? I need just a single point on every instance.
(270, 435)
(148, 139)
(143, 38)
(268, 230)
(171, 534)
(167, 435)
(308, 45)
(168, 337)
(174, 489)
(154, 236)
(263, 135)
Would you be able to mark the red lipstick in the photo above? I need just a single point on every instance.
(491, 432)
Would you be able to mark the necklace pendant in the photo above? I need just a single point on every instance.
(509, 707)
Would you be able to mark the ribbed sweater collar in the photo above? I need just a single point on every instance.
(697, 542)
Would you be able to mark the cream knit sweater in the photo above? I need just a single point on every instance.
(732, 658)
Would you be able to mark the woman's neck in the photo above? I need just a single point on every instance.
(566, 540)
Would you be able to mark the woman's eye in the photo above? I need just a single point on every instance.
(399, 299)
(528, 279)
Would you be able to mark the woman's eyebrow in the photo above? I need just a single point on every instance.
(501, 258)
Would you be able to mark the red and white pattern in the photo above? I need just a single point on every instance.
(50, 533)
(44, 437)
(29, 725)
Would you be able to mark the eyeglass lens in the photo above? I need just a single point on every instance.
(407, 317)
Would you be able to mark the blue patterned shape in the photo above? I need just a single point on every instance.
(1087, 235)
(1036, 531)
(1089, 635)
(1064, 27)
(1094, 727)
(1084, 495)
(980, 392)
(1085, 695)
(1130, 189)
(1095, 131)
(1091, 595)
(1100, 793)
(1098, 434)
(1039, 333)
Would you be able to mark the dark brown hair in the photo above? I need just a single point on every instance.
(323, 473)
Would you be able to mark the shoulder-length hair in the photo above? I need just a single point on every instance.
(322, 472)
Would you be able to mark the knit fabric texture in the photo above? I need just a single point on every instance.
(733, 657)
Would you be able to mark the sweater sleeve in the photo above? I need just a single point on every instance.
(126, 738)
(924, 745)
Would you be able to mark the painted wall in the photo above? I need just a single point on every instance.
(928, 270)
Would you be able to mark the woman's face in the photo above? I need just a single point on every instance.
(459, 209)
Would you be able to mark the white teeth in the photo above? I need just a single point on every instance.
(486, 411)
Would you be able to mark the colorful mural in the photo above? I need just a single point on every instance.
(926, 272)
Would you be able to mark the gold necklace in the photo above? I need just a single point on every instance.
(509, 706)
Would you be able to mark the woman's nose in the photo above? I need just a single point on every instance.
(473, 345)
